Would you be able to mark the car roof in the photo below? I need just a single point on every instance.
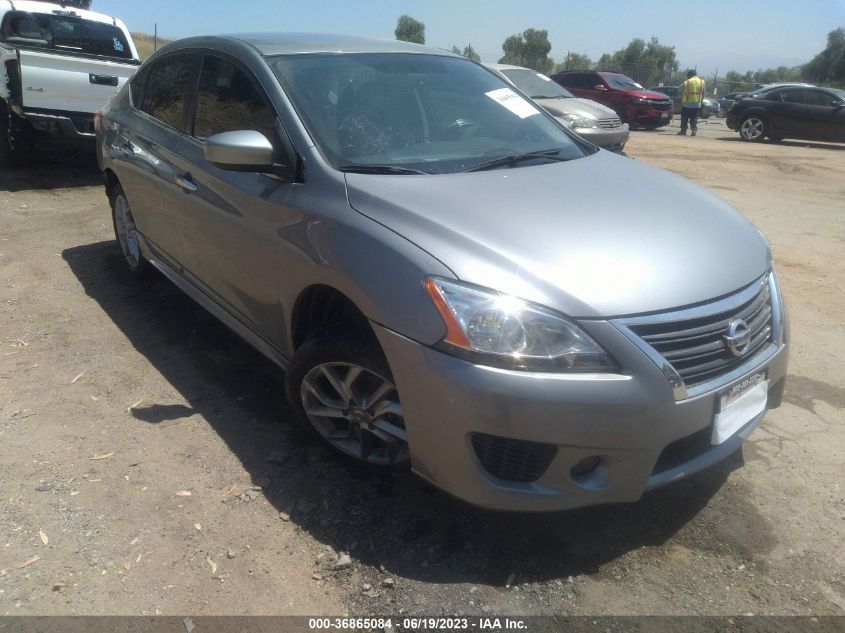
(39, 6)
(294, 43)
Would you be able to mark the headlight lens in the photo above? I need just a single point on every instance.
(579, 121)
(492, 328)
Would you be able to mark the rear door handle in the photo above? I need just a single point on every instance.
(186, 183)
(102, 80)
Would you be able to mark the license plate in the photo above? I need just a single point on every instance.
(664, 115)
(738, 405)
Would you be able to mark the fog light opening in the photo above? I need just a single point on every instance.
(585, 466)
(587, 472)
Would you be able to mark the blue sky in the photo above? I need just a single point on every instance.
(738, 34)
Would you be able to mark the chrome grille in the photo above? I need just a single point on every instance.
(695, 346)
(610, 124)
(661, 105)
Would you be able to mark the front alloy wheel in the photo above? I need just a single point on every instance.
(357, 411)
(752, 128)
(340, 388)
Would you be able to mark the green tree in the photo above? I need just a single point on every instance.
(529, 49)
(829, 66)
(648, 63)
(575, 61)
(468, 51)
(605, 62)
(410, 30)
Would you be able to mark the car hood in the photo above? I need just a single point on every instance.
(573, 105)
(648, 94)
(595, 237)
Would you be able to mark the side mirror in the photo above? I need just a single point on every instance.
(242, 150)
(601, 87)
(248, 150)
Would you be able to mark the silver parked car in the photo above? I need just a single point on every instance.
(452, 280)
(596, 123)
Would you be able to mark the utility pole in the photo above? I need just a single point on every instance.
(155, 37)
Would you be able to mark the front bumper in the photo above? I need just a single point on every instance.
(614, 139)
(732, 121)
(77, 127)
(652, 117)
(628, 420)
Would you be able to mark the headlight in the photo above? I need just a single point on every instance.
(579, 121)
(491, 328)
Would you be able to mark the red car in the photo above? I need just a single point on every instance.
(634, 104)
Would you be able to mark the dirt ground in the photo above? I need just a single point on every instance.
(147, 465)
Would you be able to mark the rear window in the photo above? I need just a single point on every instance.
(65, 33)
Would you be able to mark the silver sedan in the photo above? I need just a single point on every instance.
(453, 281)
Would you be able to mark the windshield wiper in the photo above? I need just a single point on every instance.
(513, 159)
(548, 96)
(379, 169)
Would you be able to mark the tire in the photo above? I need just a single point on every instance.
(340, 389)
(753, 128)
(126, 233)
(13, 152)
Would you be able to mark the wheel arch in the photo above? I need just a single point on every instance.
(319, 306)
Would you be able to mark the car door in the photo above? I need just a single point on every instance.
(787, 113)
(146, 144)
(825, 114)
(233, 246)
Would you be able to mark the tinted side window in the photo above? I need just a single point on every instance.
(565, 80)
(136, 86)
(591, 80)
(793, 96)
(228, 99)
(819, 98)
(166, 89)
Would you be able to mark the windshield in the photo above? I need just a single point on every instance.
(429, 113)
(535, 85)
(65, 33)
(622, 82)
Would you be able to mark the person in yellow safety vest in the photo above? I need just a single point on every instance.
(691, 102)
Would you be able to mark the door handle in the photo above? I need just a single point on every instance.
(102, 80)
(186, 183)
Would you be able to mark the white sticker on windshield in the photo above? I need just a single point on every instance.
(513, 102)
(543, 77)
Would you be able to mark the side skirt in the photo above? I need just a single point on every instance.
(234, 323)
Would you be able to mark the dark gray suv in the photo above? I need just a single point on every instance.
(452, 280)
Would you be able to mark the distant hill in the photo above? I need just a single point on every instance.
(144, 42)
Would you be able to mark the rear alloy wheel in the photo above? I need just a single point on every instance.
(126, 232)
(753, 128)
(340, 387)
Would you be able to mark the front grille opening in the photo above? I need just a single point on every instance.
(684, 450)
(513, 460)
(695, 347)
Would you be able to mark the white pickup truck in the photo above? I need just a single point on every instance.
(59, 64)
